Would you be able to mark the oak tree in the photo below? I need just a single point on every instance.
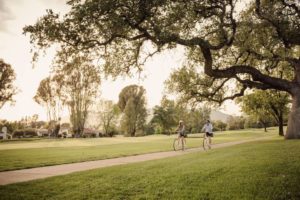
(165, 116)
(265, 105)
(247, 49)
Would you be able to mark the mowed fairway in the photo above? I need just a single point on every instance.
(45, 152)
(257, 170)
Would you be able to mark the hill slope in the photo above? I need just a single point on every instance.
(217, 115)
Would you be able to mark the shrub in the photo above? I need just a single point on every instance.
(25, 133)
(235, 123)
(139, 133)
(219, 126)
(89, 133)
(149, 129)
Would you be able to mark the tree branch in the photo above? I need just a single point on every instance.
(234, 70)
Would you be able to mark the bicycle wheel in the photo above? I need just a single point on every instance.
(206, 143)
(177, 144)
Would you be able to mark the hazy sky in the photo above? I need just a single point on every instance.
(15, 50)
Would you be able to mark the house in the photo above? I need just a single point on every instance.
(4, 135)
(65, 131)
(42, 132)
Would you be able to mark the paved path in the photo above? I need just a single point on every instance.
(17, 176)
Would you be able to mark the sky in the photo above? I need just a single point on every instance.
(15, 50)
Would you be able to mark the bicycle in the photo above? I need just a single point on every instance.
(206, 144)
(179, 144)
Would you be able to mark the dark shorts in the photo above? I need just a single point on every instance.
(181, 134)
(209, 134)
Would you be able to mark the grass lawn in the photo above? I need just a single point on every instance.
(44, 152)
(258, 170)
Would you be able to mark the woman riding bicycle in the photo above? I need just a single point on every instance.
(180, 130)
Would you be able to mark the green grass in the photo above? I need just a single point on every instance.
(258, 170)
(28, 154)
(16, 140)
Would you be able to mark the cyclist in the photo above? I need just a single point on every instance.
(208, 131)
(180, 130)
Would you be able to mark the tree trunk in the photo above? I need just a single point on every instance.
(265, 127)
(132, 134)
(293, 128)
(280, 124)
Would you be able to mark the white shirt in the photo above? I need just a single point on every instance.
(208, 128)
(181, 130)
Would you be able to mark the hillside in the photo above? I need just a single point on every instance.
(217, 115)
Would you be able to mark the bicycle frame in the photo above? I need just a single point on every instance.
(206, 142)
(179, 144)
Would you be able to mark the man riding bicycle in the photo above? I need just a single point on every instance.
(208, 131)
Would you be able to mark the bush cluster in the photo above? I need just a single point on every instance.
(23, 133)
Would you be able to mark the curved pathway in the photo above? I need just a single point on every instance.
(9, 177)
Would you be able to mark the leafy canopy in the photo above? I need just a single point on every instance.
(132, 102)
(249, 48)
(7, 77)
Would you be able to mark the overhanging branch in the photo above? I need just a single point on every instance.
(235, 70)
